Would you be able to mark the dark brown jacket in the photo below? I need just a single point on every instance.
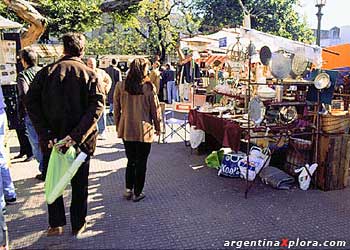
(64, 99)
(135, 115)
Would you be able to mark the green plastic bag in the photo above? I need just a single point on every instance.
(56, 177)
(214, 159)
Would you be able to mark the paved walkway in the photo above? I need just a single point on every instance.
(184, 208)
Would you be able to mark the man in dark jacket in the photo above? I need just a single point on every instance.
(64, 104)
(116, 77)
(24, 79)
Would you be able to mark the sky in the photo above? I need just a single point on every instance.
(335, 13)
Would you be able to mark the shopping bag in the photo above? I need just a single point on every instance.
(62, 168)
(214, 159)
(229, 165)
(258, 159)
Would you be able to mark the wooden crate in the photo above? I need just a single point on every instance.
(297, 155)
(333, 170)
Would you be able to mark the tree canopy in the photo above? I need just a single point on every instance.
(65, 15)
(71, 15)
(154, 27)
(277, 17)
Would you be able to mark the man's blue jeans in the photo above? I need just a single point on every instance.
(172, 92)
(111, 109)
(101, 124)
(34, 142)
(7, 189)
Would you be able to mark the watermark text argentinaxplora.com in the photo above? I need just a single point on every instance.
(284, 243)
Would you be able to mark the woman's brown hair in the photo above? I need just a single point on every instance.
(136, 76)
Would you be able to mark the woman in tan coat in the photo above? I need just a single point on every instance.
(137, 116)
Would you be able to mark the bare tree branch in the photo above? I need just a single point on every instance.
(246, 12)
(169, 11)
(141, 33)
(29, 14)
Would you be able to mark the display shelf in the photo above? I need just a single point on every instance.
(289, 103)
(283, 83)
(282, 134)
(230, 95)
(280, 130)
(343, 95)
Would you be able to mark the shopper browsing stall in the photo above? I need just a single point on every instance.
(137, 117)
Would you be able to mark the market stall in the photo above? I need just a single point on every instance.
(47, 53)
(8, 71)
(123, 61)
(272, 99)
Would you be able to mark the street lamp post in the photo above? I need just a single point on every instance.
(319, 4)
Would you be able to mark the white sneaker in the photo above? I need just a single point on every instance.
(102, 137)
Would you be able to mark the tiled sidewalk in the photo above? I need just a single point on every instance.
(184, 208)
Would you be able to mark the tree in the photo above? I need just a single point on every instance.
(277, 17)
(119, 42)
(65, 15)
(25, 11)
(71, 15)
(159, 23)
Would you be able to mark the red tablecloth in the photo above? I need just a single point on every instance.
(224, 131)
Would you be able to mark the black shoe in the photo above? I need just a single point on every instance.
(77, 232)
(28, 159)
(40, 177)
(10, 201)
(19, 156)
(139, 197)
(127, 194)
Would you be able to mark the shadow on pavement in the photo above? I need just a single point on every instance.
(183, 208)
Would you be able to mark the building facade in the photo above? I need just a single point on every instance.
(334, 36)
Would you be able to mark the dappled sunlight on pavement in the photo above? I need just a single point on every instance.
(184, 207)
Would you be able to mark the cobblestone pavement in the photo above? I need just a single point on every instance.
(184, 208)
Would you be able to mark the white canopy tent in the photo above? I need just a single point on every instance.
(211, 42)
(8, 24)
(312, 53)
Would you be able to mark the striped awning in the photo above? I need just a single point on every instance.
(212, 60)
(48, 50)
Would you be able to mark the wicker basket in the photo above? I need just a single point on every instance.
(301, 144)
(335, 123)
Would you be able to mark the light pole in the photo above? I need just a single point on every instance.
(319, 4)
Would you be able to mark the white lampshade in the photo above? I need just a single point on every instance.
(320, 2)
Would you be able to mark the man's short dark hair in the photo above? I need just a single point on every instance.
(29, 56)
(73, 44)
(114, 62)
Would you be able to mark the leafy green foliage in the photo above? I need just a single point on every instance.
(158, 24)
(64, 15)
(277, 17)
(71, 15)
(7, 13)
(120, 42)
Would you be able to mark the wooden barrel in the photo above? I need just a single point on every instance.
(334, 123)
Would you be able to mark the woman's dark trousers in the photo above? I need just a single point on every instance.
(137, 154)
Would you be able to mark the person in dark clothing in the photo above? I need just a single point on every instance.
(169, 77)
(64, 103)
(116, 77)
(25, 149)
(25, 78)
(163, 85)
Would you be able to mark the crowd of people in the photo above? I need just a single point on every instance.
(65, 102)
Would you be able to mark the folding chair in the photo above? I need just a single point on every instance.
(176, 120)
